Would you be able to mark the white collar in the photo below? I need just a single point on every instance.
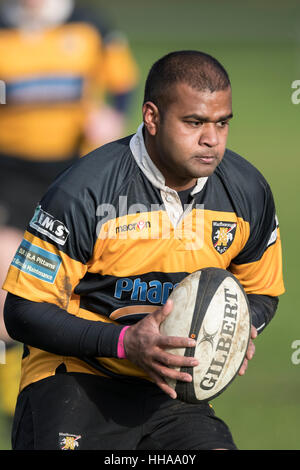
(143, 160)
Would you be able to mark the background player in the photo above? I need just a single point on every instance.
(69, 79)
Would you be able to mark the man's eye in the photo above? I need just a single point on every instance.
(194, 123)
(222, 123)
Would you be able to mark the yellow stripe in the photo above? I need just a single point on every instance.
(161, 247)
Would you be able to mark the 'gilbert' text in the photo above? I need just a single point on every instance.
(224, 343)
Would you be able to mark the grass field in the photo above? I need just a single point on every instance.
(259, 44)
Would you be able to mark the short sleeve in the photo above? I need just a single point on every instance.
(54, 252)
(259, 265)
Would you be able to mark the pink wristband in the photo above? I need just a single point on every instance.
(121, 351)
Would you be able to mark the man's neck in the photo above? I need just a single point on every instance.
(170, 180)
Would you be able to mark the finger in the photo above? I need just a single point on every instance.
(174, 360)
(174, 374)
(167, 389)
(243, 367)
(253, 332)
(171, 342)
(159, 376)
(250, 350)
(168, 307)
(161, 313)
(162, 384)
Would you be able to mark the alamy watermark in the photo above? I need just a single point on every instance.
(295, 358)
(2, 92)
(2, 352)
(141, 222)
(296, 94)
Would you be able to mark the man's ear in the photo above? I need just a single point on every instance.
(151, 117)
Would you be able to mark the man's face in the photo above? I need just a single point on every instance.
(189, 137)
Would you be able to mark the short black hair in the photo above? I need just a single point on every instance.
(197, 69)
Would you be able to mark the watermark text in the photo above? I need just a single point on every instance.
(138, 221)
(296, 94)
(295, 358)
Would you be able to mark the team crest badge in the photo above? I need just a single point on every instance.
(68, 441)
(223, 234)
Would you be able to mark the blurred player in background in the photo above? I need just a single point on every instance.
(69, 79)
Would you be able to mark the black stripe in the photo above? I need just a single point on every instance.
(99, 294)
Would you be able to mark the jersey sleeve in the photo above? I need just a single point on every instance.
(116, 71)
(259, 265)
(120, 68)
(54, 253)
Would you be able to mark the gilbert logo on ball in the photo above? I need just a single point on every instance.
(210, 306)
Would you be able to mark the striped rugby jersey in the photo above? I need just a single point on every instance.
(109, 241)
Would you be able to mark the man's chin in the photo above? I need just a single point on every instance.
(201, 169)
(205, 171)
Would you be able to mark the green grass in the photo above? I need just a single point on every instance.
(259, 43)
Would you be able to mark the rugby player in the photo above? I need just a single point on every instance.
(89, 283)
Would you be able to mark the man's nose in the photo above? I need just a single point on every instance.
(209, 135)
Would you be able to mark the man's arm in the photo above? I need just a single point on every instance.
(46, 326)
(50, 328)
(263, 309)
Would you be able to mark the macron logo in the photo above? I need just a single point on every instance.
(134, 226)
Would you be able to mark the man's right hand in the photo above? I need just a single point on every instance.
(146, 347)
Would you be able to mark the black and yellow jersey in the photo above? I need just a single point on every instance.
(109, 242)
(52, 78)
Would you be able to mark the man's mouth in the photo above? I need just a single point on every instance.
(205, 158)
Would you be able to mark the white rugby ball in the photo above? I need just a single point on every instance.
(211, 306)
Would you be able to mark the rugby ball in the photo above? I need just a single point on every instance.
(211, 306)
